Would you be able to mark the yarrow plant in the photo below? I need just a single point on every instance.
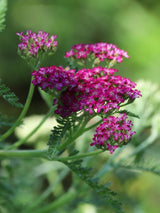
(91, 129)
(86, 95)
(95, 91)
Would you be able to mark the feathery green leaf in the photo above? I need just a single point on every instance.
(9, 96)
(59, 134)
(106, 193)
(5, 121)
(3, 8)
(148, 164)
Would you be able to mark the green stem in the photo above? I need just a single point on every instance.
(77, 134)
(84, 155)
(42, 154)
(21, 141)
(92, 126)
(21, 116)
(143, 145)
(48, 191)
(63, 200)
(24, 153)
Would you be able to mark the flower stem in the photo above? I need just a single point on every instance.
(84, 155)
(143, 145)
(92, 126)
(21, 141)
(63, 200)
(43, 153)
(47, 192)
(21, 116)
(24, 153)
(73, 137)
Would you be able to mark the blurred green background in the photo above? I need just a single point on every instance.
(132, 25)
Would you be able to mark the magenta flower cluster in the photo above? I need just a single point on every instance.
(32, 43)
(96, 91)
(113, 133)
(100, 51)
(101, 91)
(54, 77)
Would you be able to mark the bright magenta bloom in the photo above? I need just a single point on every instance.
(113, 133)
(102, 92)
(100, 51)
(54, 77)
(32, 44)
(95, 90)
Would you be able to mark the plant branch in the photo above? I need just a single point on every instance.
(143, 145)
(73, 137)
(24, 153)
(92, 126)
(43, 153)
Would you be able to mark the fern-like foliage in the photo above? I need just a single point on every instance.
(102, 190)
(3, 8)
(5, 121)
(9, 96)
(153, 169)
(149, 165)
(60, 133)
(5, 196)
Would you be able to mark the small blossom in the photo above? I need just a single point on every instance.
(94, 90)
(113, 133)
(102, 92)
(54, 77)
(33, 44)
(98, 51)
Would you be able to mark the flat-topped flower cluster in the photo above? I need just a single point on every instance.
(95, 90)
(113, 129)
(32, 44)
(100, 51)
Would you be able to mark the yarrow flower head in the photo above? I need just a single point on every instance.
(33, 45)
(102, 92)
(113, 133)
(94, 90)
(54, 79)
(60, 83)
(97, 52)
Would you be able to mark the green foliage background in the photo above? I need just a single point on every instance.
(131, 25)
